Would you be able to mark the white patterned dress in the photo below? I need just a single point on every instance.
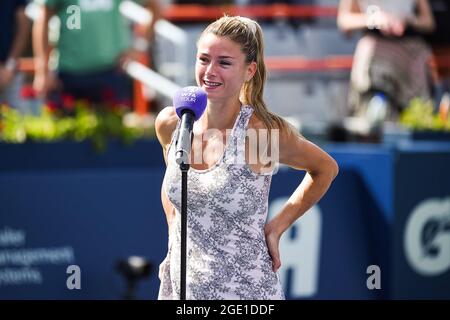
(227, 256)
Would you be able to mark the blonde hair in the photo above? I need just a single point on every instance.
(248, 34)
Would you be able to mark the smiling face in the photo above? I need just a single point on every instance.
(221, 68)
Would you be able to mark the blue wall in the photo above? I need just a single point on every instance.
(63, 204)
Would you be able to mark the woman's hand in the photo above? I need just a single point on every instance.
(273, 241)
(45, 82)
(388, 24)
(6, 77)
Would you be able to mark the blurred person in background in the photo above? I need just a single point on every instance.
(391, 61)
(91, 50)
(440, 43)
(15, 27)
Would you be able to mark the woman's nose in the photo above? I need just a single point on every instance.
(210, 69)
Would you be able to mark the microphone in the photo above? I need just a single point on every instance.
(189, 104)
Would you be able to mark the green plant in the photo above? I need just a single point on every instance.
(97, 124)
(420, 116)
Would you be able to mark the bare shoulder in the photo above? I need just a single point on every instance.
(257, 129)
(256, 123)
(165, 124)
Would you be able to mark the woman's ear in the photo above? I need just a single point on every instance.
(251, 70)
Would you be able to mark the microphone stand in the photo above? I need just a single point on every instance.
(182, 158)
(184, 167)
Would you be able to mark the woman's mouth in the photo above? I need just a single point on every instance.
(211, 84)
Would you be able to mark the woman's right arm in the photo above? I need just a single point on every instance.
(350, 18)
(44, 80)
(165, 124)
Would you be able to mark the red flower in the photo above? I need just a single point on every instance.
(68, 102)
(52, 106)
(27, 92)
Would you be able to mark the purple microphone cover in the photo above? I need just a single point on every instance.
(191, 98)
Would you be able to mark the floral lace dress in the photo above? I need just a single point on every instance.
(227, 209)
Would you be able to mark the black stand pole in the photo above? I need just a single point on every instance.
(184, 177)
(184, 142)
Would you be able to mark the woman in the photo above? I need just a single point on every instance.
(232, 253)
(391, 59)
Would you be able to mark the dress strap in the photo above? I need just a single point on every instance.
(173, 141)
(235, 152)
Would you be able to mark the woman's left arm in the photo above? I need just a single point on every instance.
(321, 169)
(424, 20)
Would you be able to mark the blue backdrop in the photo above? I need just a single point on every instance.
(63, 204)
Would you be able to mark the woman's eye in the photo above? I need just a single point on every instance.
(225, 63)
(203, 59)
